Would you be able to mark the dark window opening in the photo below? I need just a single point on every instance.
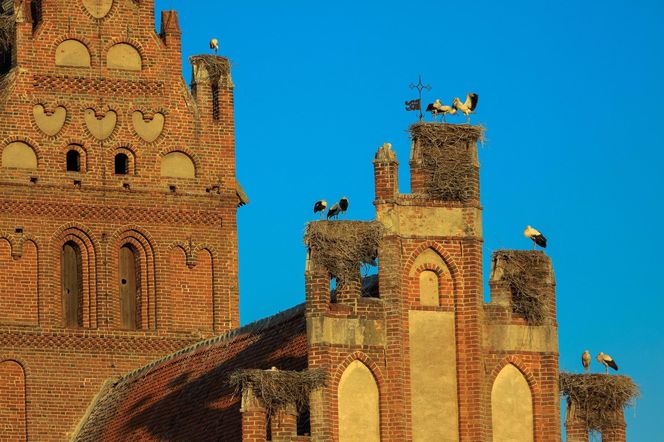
(72, 285)
(215, 101)
(333, 290)
(73, 161)
(304, 422)
(129, 287)
(121, 164)
(36, 12)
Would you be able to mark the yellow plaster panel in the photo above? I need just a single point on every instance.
(148, 130)
(429, 288)
(353, 331)
(177, 165)
(124, 56)
(432, 221)
(98, 8)
(72, 53)
(100, 128)
(359, 412)
(19, 155)
(49, 124)
(511, 407)
(522, 338)
(433, 377)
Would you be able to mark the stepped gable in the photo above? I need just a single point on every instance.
(185, 395)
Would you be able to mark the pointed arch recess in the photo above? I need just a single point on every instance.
(13, 406)
(19, 303)
(358, 401)
(512, 414)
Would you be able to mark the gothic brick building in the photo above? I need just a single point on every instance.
(118, 266)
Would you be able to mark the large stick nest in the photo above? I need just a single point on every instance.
(341, 247)
(595, 398)
(276, 389)
(7, 30)
(448, 158)
(525, 273)
(216, 67)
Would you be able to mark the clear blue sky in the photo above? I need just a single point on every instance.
(571, 95)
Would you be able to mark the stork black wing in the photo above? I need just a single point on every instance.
(430, 107)
(612, 364)
(318, 206)
(473, 101)
(343, 204)
(540, 240)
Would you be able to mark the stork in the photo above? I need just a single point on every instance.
(320, 206)
(467, 107)
(338, 208)
(585, 360)
(343, 204)
(607, 361)
(437, 108)
(214, 45)
(538, 238)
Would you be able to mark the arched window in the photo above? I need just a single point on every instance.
(129, 287)
(73, 161)
(124, 56)
(72, 285)
(121, 164)
(19, 155)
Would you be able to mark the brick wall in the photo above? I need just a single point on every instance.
(182, 229)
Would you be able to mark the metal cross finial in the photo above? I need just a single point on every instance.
(420, 86)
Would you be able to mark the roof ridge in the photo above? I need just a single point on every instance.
(256, 326)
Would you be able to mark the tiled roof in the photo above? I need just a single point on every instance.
(185, 395)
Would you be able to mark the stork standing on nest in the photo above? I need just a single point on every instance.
(538, 238)
(338, 208)
(467, 107)
(607, 361)
(437, 108)
(214, 45)
(320, 206)
(585, 360)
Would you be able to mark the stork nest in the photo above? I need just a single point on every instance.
(341, 247)
(447, 158)
(597, 398)
(216, 67)
(7, 31)
(276, 389)
(524, 271)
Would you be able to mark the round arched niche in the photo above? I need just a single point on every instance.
(177, 165)
(19, 155)
(72, 53)
(124, 56)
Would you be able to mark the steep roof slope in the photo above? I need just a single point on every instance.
(186, 396)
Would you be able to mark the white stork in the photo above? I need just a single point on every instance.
(538, 238)
(214, 45)
(320, 206)
(585, 360)
(437, 108)
(338, 208)
(607, 361)
(467, 107)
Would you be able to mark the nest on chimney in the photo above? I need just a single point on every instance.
(218, 68)
(276, 389)
(341, 247)
(524, 273)
(597, 399)
(7, 30)
(447, 158)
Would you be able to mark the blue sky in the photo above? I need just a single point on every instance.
(570, 94)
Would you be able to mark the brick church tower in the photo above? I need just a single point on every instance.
(118, 239)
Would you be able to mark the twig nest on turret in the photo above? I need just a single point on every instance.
(597, 398)
(341, 247)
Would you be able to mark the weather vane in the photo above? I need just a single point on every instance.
(417, 103)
